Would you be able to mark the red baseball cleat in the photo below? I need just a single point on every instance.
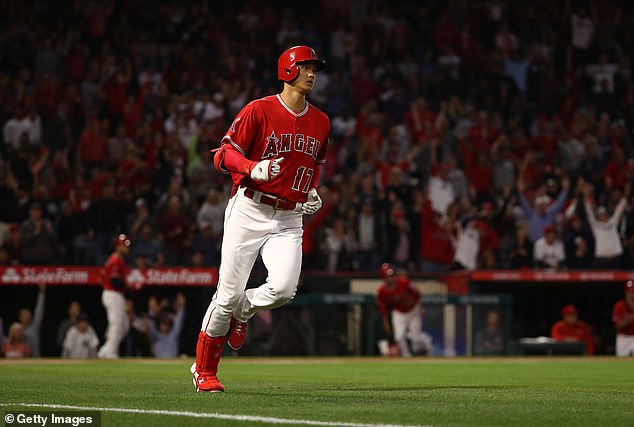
(236, 334)
(206, 383)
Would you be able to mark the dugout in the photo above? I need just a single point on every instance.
(538, 297)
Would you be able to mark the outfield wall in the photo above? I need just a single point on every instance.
(537, 298)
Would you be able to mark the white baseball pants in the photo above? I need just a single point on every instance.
(252, 228)
(408, 325)
(118, 323)
(624, 345)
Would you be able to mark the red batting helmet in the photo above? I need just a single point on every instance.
(387, 270)
(287, 69)
(123, 239)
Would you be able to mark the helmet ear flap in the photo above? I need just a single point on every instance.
(292, 71)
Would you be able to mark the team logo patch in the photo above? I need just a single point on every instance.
(233, 125)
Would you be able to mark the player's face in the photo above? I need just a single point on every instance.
(390, 280)
(124, 250)
(571, 319)
(306, 79)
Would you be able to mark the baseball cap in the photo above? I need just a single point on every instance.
(569, 309)
(549, 229)
(602, 210)
(543, 199)
(486, 207)
(629, 286)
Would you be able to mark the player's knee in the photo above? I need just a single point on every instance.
(283, 294)
(227, 304)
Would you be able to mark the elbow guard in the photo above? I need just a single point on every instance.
(219, 158)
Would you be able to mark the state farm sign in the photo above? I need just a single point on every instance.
(48, 275)
(174, 276)
(92, 276)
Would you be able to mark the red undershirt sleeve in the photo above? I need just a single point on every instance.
(234, 161)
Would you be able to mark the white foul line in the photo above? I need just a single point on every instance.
(251, 418)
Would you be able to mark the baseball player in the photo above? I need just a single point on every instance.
(273, 151)
(113, 298)
(398, 297)
(623, 318)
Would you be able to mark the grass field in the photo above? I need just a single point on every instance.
(333, 392)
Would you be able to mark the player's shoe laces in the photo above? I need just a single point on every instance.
(236, 334)
(205, 383)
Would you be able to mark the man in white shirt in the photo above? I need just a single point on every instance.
(601, 72)
(81, 341)
(549, 251)
(441, 192)
(581, 34)
(608, 248)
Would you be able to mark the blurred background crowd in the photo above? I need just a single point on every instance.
(465, 134)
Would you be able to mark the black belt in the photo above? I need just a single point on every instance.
(274, 202)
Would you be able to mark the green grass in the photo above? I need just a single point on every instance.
(430, 392)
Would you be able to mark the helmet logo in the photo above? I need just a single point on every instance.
(292, 56)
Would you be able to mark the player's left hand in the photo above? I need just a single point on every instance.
(313, 203)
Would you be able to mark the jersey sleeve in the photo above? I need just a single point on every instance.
(382, 303)
(323, 152)
(618, 312)
(242, 131)
(557, 332)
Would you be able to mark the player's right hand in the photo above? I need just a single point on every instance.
(266, 169)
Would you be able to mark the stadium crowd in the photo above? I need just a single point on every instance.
(465, 135)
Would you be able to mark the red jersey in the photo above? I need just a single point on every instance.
(563, 331)
(115, 268)
(436, 244)
(401, 297)
(267, 129)
(620, 311)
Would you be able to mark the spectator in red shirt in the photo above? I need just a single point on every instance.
(132, 172)
(174, 229)
(545, 141)
(571, 329)
(392, 165)
(92, 146)
(481, 177)
(418, 117)
(617, 173)
(436, 250)
(131, 115)
(12, 245)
